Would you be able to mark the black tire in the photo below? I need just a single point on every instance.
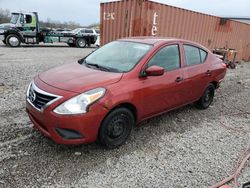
(13, 40)
(71, 44)
(81, 42)
(116, 128)
(207, 97)
(4, 41)
(232, 65)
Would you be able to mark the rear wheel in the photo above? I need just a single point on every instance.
(116, 128)
(13, 40)
(81, 42)
(207, 97)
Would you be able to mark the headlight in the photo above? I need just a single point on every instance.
(80, 103)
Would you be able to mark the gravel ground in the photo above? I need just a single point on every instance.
(184, 148)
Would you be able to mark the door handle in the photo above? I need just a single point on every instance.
(209, 73)
(178, 79)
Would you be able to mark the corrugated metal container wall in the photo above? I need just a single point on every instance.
(146, 18)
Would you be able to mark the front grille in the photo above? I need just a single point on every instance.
(38, 98)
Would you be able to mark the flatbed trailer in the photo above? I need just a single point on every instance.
(25, 28)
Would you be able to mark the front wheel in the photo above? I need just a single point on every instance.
(81, 42)
(71, 44)
(116, 128)
(207, 97)
(13, 40)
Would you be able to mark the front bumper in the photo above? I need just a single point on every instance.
(67, 129)
(52, 125)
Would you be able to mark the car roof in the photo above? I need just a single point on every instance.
(149, 40)
(159, 40)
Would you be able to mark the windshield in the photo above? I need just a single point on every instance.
(14, 18)
(118, 55)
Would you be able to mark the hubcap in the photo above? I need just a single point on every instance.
(13, 41)
(81, 43)
(117, 128)
(208, 96)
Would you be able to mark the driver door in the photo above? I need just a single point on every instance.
(162, 93)
(29, 25)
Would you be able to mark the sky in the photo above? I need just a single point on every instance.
(87, 12)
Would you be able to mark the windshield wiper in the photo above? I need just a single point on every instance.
(98, 66)
(101, 67)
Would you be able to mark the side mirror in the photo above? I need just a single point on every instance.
(80, 61)
(154, 71)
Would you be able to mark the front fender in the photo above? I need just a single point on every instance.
(14, 31)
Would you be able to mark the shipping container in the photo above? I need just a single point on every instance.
(129, 18)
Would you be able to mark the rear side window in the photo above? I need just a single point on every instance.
(194, 55)
(167, 58)
(28, 18)
(88, 31)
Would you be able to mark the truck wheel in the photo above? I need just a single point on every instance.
(71, 44)
(13, 40)
(81, 43)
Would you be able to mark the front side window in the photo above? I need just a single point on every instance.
(22, 19)
(194, 55)
(167, 58)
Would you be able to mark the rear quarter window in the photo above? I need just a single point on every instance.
(203, 55)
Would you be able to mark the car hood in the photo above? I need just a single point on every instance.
(78, 78)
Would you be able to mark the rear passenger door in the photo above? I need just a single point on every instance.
(196, 71)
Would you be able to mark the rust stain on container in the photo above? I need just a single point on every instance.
(128, 18)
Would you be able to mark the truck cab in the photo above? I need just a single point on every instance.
(23, 28)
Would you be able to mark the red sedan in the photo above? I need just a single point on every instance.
(119, 85)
